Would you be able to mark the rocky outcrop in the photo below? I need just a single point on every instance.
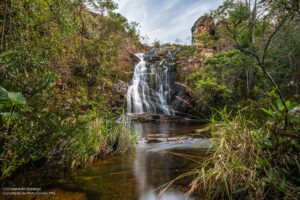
(204, 36)
(203, 26)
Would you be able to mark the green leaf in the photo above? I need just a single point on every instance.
(262, 161)
(3, 96)
(282, 184)
(289, 105)
(242, 189)
(8, 99)
(8, 117)
(16, 98)
(268, 112)
(279, 105)
(7, 53)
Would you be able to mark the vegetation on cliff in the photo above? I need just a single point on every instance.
(66, 62)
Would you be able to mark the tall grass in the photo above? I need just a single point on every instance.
(246, 164)
(93, 138)
(231, 170)
(121, 138)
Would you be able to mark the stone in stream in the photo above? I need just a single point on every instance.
(168, 139)
(203, 130)
(204, 143)
(147, 117)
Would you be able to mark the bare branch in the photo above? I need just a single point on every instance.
(272, 36)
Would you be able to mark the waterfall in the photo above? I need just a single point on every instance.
(150, 89)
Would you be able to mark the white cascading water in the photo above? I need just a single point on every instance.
(150, 89)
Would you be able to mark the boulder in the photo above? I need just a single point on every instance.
(204, 25)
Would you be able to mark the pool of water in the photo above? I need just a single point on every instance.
(134, 175)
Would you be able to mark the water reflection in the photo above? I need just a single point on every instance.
(153, 169)
(150, 128)
(166, 129)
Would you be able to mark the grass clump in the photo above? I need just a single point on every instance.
(95, 138)
(250, 161)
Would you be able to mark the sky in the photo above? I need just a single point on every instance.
(166, 20)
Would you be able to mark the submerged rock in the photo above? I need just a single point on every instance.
(168, 139)
(148, 117)
(203, 130)
(204, 144)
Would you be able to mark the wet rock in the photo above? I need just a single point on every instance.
(182, 100)
(148, 117)
(133, 58)
(153, 55)
(154, 140)
(204, 143)
(203, 130)
(142, 141)
(182, 104)
(156, 135)
(169, 139)
(176, 139)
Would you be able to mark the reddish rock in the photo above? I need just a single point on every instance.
(204, 25)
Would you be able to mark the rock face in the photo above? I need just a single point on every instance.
(204, 33)
(204, 41)
(204, 25)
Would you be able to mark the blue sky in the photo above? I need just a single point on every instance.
(166, 20)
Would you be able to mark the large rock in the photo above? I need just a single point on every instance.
(204, 25)
(120, 87)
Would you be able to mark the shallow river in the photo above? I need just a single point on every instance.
(135, 175)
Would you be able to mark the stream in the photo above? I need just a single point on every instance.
(134, 175)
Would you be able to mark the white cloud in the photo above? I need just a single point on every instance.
(166, 20)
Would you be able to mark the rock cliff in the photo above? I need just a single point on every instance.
(204, 26)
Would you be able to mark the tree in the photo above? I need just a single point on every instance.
(102, 6)
(252, 25)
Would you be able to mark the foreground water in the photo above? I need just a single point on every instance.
(135, 175)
